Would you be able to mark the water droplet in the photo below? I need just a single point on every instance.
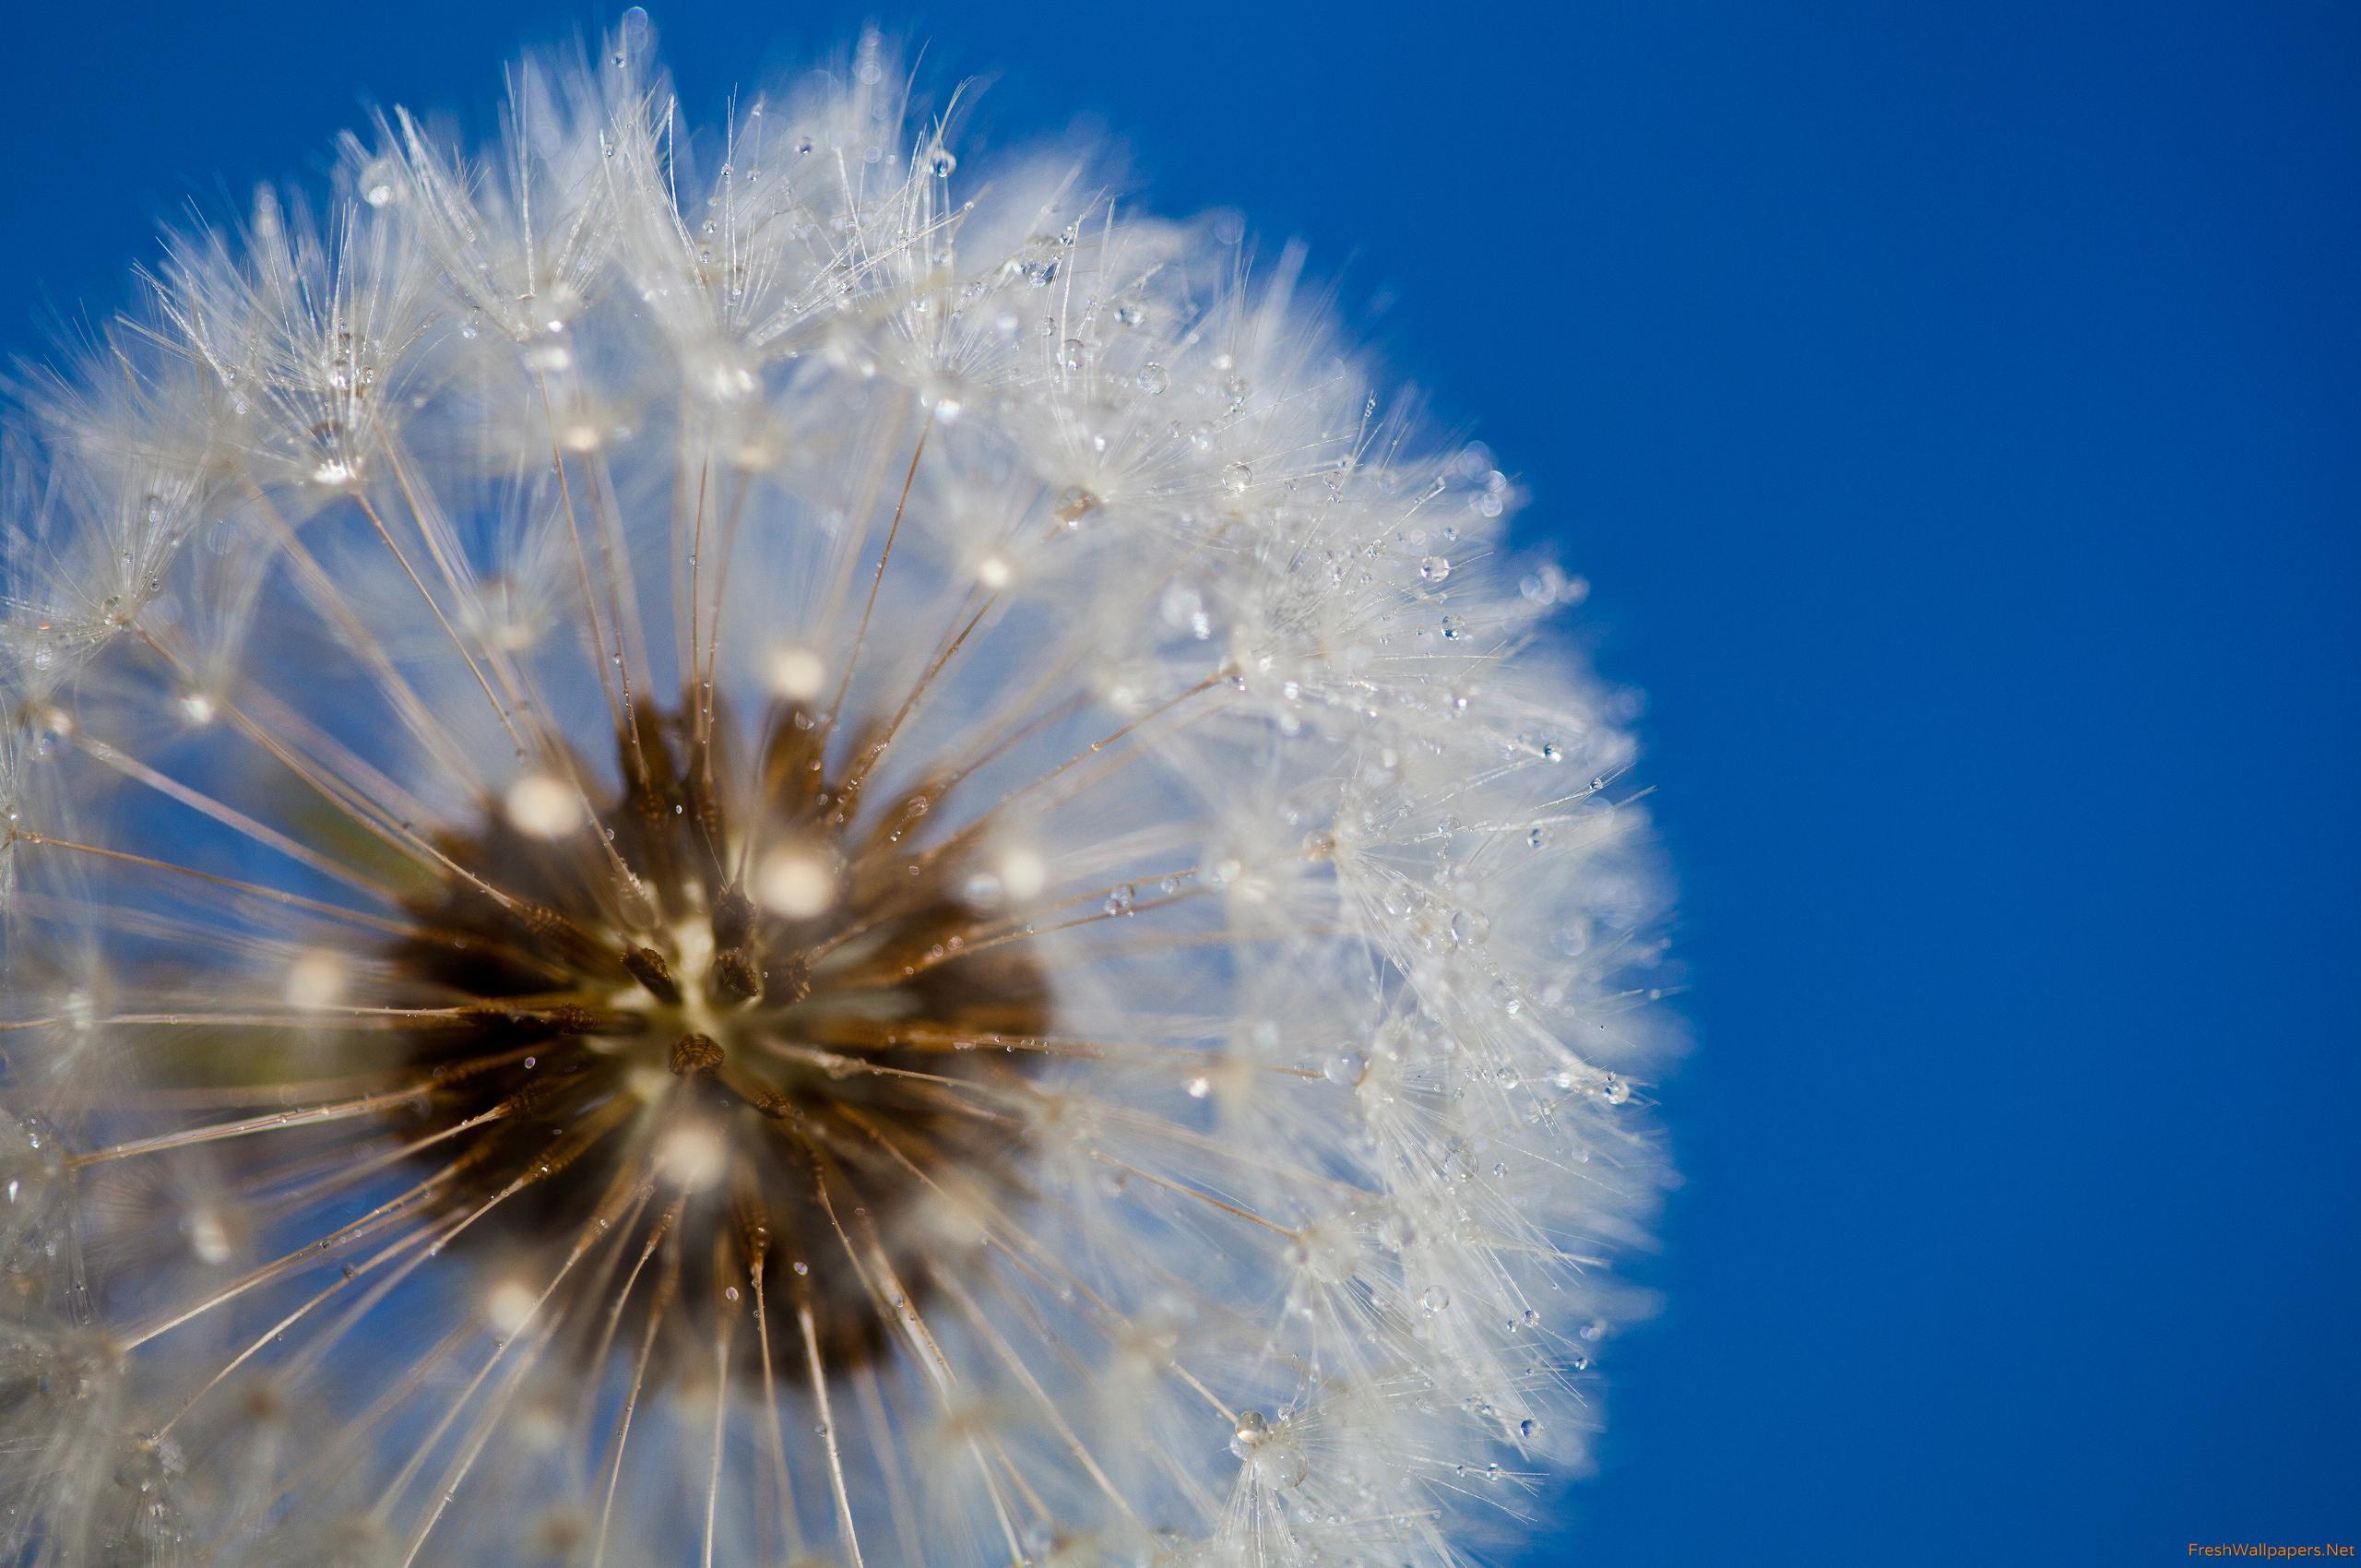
(1236, 477)
(1471, 927)
(634, 35)
(543, 807)
(1279, 1465)
(1434, 1298)
(941, 163)
(1152, 378)
(1434, 568)
(380, 182)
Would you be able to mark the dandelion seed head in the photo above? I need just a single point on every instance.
(773, 844)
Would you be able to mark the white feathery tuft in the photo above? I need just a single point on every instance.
(767, 847)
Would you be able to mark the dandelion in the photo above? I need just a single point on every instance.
(727, 850)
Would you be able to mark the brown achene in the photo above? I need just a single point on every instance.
(807, 1061)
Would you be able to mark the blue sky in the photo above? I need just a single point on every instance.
(1955, 412)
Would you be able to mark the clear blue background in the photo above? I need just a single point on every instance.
(1957, 414)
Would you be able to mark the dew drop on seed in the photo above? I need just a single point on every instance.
(795, 880)
(1279, 1465)
(379, 182)
(543, 806)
